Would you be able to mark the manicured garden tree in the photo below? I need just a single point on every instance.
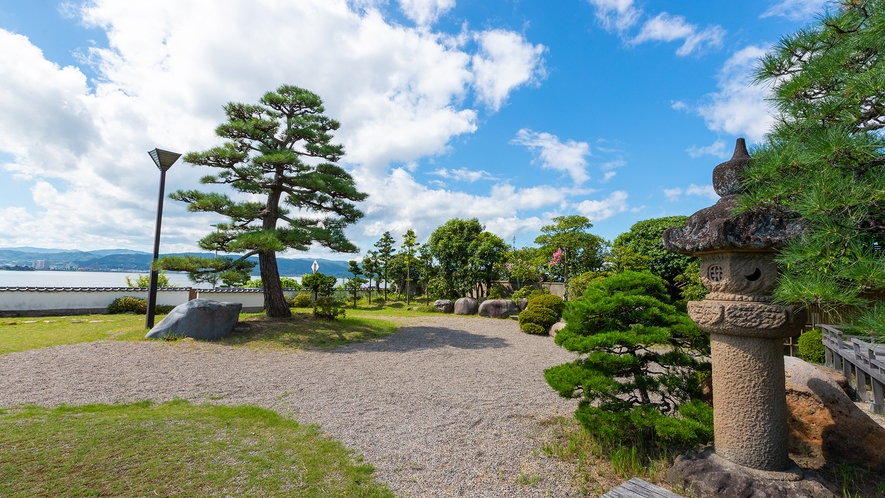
(356, 283)
(486, 261)
(319, 284)
(639, 376)
(370, 269)
(825, 158)
(578, 250)
(410, 245)
(540, 314)
(385, 252)
(449, 246)
(280, 153)
(643, 248)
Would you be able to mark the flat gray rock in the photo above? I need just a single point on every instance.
(199, 319)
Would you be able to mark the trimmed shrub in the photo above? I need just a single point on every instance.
(128, 304)
(555, 303)
(496, 292)
(527, 292)
(542, 319)
(301, 301)
(328, 307)
(811, 347)
(137, 305)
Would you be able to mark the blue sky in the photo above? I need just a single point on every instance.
(510, 111)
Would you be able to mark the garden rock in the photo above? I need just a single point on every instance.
(466, 306)
(199, 319)
(444, 305)
(556, 327)
(825, 422)
(523, 304)
(498, 308)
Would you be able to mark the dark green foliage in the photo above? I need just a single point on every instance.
(811, 347)
(301, 301)
(280, 153)
(137, 305)
(384, 253)
(319, 284)
(541, 313)
(328, 308)
(496, 292)
(462, 255)
(639, 372)
(537, 320)
(824, 158)
(550, 301)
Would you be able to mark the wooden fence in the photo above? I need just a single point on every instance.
(862, 363)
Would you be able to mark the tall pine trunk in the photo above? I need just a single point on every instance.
(275, 304)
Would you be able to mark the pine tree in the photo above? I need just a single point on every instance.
(824, 158)
(385, 252)
(410, 245)
(280, 149)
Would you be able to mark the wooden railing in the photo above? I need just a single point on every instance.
(862, 363)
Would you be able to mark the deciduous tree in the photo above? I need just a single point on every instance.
(581, 251)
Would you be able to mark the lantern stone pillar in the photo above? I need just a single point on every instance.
(746, 329)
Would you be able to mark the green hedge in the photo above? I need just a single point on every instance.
(811, 347)
(137, 305)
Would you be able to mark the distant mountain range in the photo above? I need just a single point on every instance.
(137, 261)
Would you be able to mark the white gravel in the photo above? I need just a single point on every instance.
(446, 406)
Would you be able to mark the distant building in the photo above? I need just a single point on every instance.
(41, 264)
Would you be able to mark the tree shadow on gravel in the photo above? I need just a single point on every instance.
(421, 338)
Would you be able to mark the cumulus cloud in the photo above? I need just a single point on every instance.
(717, 149)
(616, 15)
(568, 157)
(796, 10)
(675, 194)
(739, 107)
(505, 61)
(667, 28)
(425, 12)
(598, 210)
(463, 174)
(400, 93)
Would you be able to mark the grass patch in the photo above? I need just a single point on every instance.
(304, 331)
(173, 449)
(601, 467)
(25, 333)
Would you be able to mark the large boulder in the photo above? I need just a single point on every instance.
(200, 319)
(825, 423)
(498, 308)
(444, 305)
(466, 306)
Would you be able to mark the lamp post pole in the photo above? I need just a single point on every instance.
(164, 160)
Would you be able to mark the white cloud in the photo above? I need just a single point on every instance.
(398, 92)
(678, 105)
(717, 149)
(608, 176)
(425, 12)
(739, 107)
(463, 174)
(796, 10)
(665, 27)
(568, 157)
(599, 210)
(675, 194)
(505, 62)
(618, 15)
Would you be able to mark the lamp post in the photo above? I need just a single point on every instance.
(164, 160)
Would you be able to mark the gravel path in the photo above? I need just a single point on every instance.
(446, 406)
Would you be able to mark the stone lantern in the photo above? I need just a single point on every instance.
(746, 329)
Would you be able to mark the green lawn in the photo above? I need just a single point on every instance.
(173, 449)
(24, 333)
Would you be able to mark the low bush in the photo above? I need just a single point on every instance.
(537, 320)
(555, 303)
(527, 292)
(137, 305)
(128, 304)
(301, 301)
(328, 307)
(496, 292)
(811, 347)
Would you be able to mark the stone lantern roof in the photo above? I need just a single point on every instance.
(715, 229)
